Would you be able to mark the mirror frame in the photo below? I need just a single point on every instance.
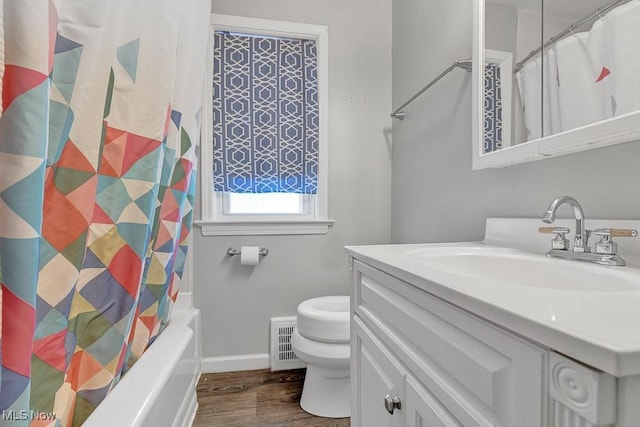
(616, 130)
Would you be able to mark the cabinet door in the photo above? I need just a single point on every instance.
(482, 374)
(377, 380)
(423, 409)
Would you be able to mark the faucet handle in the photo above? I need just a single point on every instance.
(606, 245)
(559, 241)
(556, 230)
(615, 232)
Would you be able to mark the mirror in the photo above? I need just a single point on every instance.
(557, 77)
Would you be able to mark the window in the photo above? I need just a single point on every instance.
(263, 155)
(266, 203)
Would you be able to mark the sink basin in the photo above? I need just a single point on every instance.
(516, 268)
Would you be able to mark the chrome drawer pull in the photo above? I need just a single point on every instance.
(392, 403)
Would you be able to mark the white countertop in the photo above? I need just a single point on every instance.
(599, 325)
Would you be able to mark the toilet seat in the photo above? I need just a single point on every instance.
(324, 319)
(333, 355)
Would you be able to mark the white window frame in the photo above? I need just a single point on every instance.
(214, 221)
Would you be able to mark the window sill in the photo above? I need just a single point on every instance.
(262, 228)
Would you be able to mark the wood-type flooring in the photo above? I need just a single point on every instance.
(256, 399)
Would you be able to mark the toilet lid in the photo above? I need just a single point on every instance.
(325, 318)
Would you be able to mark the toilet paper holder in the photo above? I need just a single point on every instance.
(235, 251)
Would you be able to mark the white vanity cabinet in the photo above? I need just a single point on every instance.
(444, 365)
(419, 361)
(494, 333)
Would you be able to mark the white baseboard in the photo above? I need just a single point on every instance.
(244, 362)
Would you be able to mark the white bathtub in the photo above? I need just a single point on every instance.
(160, 389)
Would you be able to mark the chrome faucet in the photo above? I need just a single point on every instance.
(606, 248)
(581, 239)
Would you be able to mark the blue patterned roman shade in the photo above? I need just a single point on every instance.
(265, 114)
(492, 108)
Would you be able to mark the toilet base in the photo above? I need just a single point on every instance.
(326, 392)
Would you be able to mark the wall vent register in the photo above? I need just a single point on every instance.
(282, 355)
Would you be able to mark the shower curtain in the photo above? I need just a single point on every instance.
(99, 135)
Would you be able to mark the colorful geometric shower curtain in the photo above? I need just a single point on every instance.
(98, 142)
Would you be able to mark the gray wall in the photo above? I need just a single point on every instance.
(435, 195)
(502, 27)
(237, 301)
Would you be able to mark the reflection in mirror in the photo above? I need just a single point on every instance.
(513, 28)
(498, 67)
(587, 72)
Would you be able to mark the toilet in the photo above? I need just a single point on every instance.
(321, 340)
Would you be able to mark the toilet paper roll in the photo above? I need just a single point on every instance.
(249, 255)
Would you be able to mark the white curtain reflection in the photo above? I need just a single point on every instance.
(587, 77)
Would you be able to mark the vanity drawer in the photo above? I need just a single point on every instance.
(484, 375)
